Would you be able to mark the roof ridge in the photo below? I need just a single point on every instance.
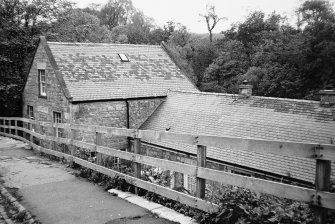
(259, 97)
(87, 43)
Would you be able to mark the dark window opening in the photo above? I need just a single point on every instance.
(30, 112)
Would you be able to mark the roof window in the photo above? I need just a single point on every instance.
(123, 57)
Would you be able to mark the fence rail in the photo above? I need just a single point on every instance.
(322, 153)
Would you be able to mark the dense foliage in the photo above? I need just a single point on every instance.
(279, 59)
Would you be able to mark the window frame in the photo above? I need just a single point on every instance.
(57, 119)
(42, 84)
(30, 112)
(123, 57)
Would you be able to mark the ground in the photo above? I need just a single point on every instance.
(54, 195)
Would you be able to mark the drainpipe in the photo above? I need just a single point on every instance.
(127, 106)
(128, 123)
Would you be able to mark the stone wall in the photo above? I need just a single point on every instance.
(140, 110)
(55, 99)
(111, 114)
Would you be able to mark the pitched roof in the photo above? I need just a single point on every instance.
(255, 117)
(94, 71)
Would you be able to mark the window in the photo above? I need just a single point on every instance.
(42, 82)
(58, 119)
(123, 57)
(30, 112)
(116, 162)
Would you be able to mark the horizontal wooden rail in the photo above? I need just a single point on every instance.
(306, 150)
(164, 191)
(151, 161)
(283, 148)
(326, 199)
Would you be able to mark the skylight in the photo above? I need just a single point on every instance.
(123, 57)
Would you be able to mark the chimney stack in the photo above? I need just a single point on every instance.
(245, 89)
(327, 96)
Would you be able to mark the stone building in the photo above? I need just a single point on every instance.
(238, 115)
(102, 84)
(140, 86)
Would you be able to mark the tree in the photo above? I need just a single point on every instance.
(229, 65)
(211, 19)
(200, 53)
(21, 22)
(139, 28)
(157, 35)
(116, 13)
(314, 12)
(79, 26)
(119, 35)
(179, 36)
(319, 18)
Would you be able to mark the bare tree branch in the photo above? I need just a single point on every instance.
(211, 19)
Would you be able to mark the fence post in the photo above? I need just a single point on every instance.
(30, 135)
(15, 127)
(10, 126)
(5, 123)
(72, 136)
(201, 162)
(1, 123)
(137, 166)
(322, 183)
(98, 141)
(54, 134)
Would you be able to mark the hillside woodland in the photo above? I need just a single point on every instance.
(278, 58)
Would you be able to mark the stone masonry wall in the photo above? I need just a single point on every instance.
(55, 100)
(111, 114)
(140, 110)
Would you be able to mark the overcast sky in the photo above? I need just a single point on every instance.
(187, 12)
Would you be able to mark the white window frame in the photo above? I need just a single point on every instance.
(57, 118)
(42, 82)
(30, 112)
(123, 57)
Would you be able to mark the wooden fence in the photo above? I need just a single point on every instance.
(323, 154)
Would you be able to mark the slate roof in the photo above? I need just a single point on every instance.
(256, 117)
(94, 71)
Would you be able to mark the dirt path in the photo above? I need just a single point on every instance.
(55, 196)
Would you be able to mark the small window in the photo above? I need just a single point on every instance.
(123, 57)
(57, 117)
(116, 162)
(42, 82)
(30, 112)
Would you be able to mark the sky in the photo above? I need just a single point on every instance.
(187, 12)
